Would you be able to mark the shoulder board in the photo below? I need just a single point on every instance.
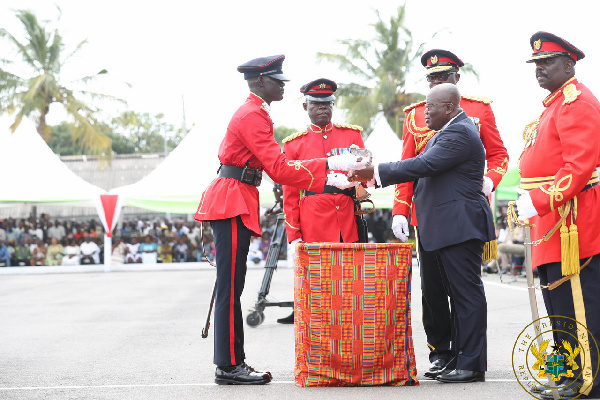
(294, 136)
(407, 109)
(484, 100)
(348, 126)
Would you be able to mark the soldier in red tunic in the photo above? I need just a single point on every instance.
(309, 216)
(230, 203)
(442, 67)
(562, 202)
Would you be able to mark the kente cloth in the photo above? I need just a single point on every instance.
(352, 315)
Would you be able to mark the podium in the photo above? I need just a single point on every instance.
(352, 315)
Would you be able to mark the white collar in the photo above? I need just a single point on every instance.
(449, 122)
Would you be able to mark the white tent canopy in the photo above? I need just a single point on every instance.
(386, 147)
(37, 175)
(177, 183)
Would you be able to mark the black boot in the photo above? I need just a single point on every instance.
(287, 320)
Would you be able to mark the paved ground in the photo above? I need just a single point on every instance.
(136, 335)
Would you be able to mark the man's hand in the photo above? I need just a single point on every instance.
(525, 207)
(488, 185)
(364, 175)
(340, 181)
(346, 162)
(400, 227)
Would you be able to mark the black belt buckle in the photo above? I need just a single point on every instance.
(251, 176)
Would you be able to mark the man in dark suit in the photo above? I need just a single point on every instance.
(455, 220)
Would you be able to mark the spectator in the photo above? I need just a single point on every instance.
(90, 252)
(22, 254)
(254, 253)
(265, 242)
(58, 231)
(149, 251)
(119, 249)
(37, 231)
(208, 248)
(38, 253)
(55, 253)
(165, 250)
(4, 256)
(133, 252)
(180, 251)
(3, 233)
(71, 253)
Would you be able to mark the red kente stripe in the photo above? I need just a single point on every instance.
(232, 294)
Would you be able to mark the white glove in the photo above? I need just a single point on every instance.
(400, 227)
(525, 207)
(296, 240)
(488, 185)
(346, 162)
(340, 181)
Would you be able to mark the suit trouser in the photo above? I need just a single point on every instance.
(436, 310)
(232, 241)
(581, 293)
(461, 274)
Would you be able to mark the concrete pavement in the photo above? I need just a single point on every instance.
(136, 335)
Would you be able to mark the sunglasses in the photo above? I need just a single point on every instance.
(443, 76)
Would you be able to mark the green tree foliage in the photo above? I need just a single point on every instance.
(30, 81)
(281, 132)
(382, 64)
(143, 133)
(129, 133)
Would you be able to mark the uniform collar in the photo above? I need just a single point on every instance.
(265, 106)
(317, 129)
(556, 94)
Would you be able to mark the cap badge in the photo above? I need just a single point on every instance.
(537, 45)
(434, 59)
(322, 86)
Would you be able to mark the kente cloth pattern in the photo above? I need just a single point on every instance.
(352, 315)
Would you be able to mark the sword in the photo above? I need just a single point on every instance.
(212, 299)
(528, 266)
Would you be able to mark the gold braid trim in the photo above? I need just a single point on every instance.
(294, 136)
(501, 170)
(348, 126)
(490, 251)
(484, 100)
(291, 226)
(408, 108)
(297, 164)
(555, 191)
(420, 135)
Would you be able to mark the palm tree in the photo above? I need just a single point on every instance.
(28, 88)
(383, 64)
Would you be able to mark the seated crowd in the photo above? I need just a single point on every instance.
(41, 242)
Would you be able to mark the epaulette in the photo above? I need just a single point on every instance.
(294, 136)
(355, 127)
(484, 100)
(407, 109)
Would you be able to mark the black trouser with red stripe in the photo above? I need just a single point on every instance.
(561, 301)
(232, 241)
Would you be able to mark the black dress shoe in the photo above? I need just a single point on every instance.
(241, 375)
(435, 368)
(462, 376)
(568, 392)
(287, 320)
(538, 388)
(249, 368)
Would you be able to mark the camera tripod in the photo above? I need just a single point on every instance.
(256, 315)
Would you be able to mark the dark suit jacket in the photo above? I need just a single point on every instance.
(450, 204)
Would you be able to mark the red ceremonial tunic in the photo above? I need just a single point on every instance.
(249, 142)
(565, 149)
(416, 135)
(320, 217)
